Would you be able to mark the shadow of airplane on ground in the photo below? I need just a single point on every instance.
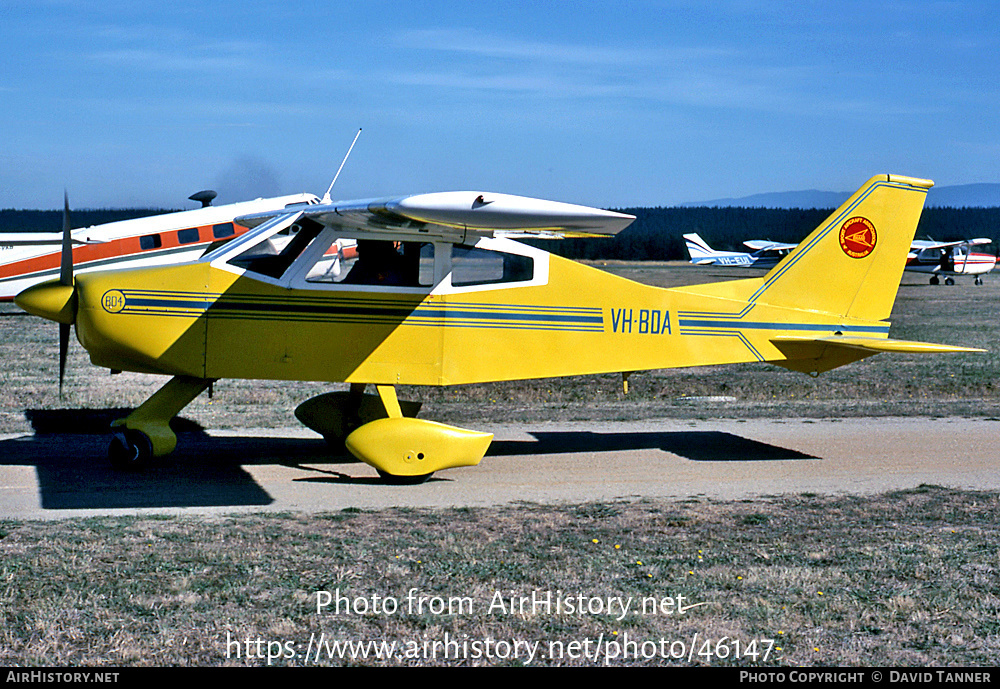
(73, 472)
(697, 446)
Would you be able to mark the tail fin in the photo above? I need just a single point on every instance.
(697, 248)
(851, 264)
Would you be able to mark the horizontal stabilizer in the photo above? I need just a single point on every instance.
(880, 344)
(816, 355)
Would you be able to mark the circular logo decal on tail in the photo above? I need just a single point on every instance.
(858, 237)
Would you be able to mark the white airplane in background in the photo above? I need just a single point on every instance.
(925, 256)
(766, 254)
(950, 258)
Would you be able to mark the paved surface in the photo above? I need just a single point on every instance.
(52, 476)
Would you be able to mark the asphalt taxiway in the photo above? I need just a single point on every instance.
(45, 476)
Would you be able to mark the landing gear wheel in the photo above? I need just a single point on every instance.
(978, 281)
(935, 281)
(130, 451)
(949, 281)
(394, 480)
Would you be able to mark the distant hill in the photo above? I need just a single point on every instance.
(985, 195)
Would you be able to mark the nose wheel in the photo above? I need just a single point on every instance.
(146, 433)
(130, 450)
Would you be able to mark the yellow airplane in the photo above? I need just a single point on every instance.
(442, 295)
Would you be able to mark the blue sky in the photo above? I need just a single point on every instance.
(609, 104)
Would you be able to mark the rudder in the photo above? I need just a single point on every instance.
(698, 249)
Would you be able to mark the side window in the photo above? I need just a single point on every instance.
(273, 256)
(375, 263)
(188, 236)
(472, 266)
(223, 230)
(150, 241)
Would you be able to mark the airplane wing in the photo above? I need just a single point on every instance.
(766, 245)
(460, 215)
(39, 239)
(922, 244)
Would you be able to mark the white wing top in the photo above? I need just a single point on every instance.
(460, 215)
(921, 244)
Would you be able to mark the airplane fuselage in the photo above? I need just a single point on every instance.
(956, 263)
(198, 318)
(740, 260)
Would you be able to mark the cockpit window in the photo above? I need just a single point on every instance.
(375, 263)
(273, 255)
(473, 266)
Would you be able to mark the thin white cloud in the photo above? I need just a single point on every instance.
(181, 58)
(473, 42)
(709, 75)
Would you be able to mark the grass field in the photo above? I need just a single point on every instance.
(908, 578)
(905, 579)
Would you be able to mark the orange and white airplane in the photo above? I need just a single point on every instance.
(27, 258)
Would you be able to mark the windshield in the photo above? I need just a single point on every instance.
(218, 249)
(273, 254)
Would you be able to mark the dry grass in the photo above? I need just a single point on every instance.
(904, 579)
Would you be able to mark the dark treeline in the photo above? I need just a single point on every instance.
(655, 234)
(51, 221)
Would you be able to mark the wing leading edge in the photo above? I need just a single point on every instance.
(462, 215)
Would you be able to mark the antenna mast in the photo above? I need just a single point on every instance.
(326, 196)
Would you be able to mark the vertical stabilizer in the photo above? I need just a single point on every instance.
(851, 264)
(698, 249)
